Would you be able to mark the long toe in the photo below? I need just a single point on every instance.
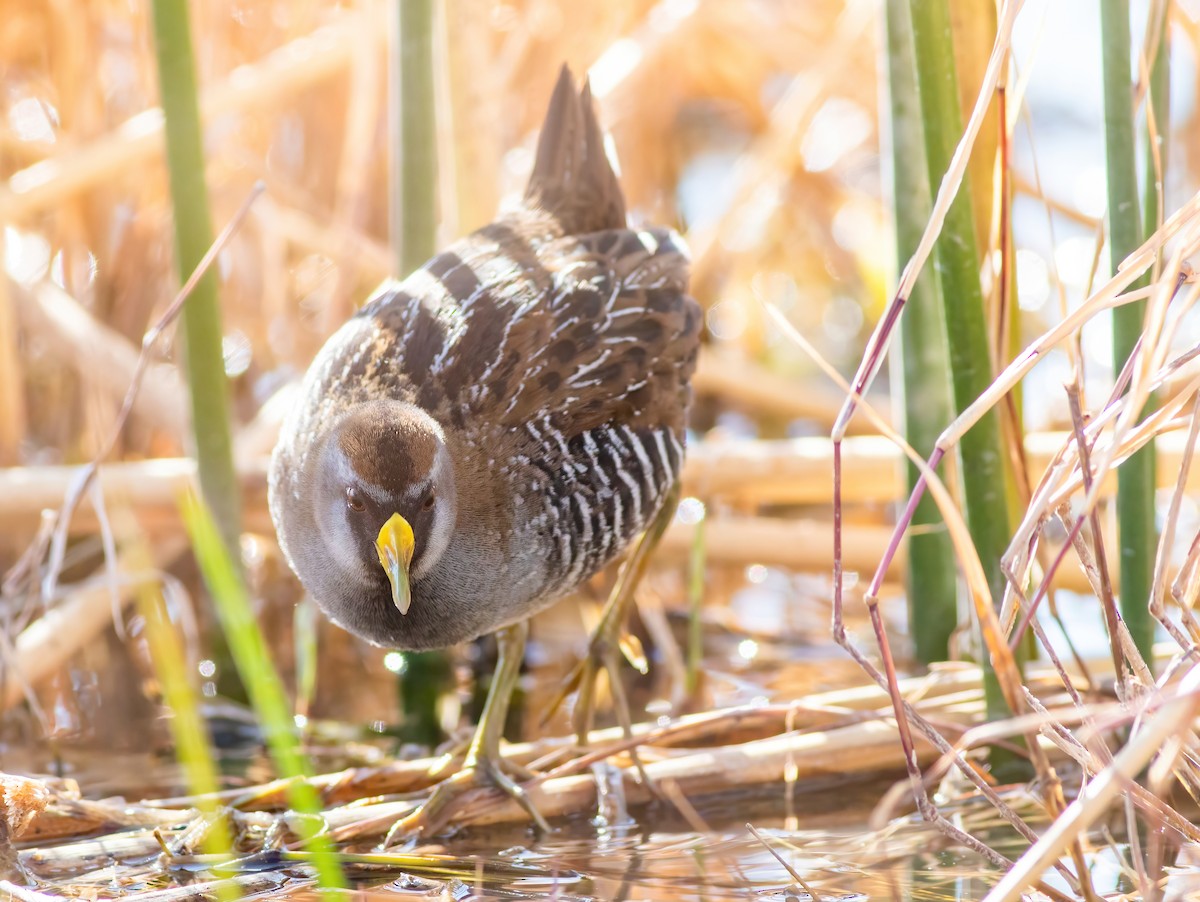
(469, 784)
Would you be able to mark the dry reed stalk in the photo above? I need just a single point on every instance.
(23, 893)
(863, 748)
(143, 484)
(796, 471)
(803, 545)
(818, 712)
(840, 733)
(151, 489)
(793, 471)
(67, 816)
(866, 748)
(740, 381)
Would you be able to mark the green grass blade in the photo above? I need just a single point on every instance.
(253, 661)
(925, 385)
(193, 236)
(192, 747)
(1136, 528)
(980, 452)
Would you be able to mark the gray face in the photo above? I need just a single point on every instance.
(383, 458)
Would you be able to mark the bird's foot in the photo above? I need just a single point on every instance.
(484, 774)
(611, 640)
(606, 649)
(608, 646)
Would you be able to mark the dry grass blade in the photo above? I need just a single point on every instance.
(1094, 800)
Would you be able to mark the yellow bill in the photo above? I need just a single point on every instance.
(395, 545)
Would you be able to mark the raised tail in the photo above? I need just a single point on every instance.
(572, 178)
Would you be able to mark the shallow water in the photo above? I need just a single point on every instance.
(686, 849)
(661, 857)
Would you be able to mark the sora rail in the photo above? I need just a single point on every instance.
(484, 436)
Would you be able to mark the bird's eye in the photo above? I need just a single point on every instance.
(427, 504)
(354, 500)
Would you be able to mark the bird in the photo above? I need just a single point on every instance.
(481, 438)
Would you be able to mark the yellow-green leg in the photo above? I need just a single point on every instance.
(608, 644)
(482, 766)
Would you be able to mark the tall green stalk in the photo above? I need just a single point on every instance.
(414, 205)
(925, 386)
(193, 236)
(426, 675)
(1137, 533)
(962, 299)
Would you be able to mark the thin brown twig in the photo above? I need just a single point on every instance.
(87, 473)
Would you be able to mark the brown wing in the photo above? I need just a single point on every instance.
(614, 341)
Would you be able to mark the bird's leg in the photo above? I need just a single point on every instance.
(482, 766)
(607, 643)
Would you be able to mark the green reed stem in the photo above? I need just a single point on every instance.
(697, 557)
(980, 451)
(427, 675)
(1136, 530)
(193, 236)
(414, 201)
(924, 384)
